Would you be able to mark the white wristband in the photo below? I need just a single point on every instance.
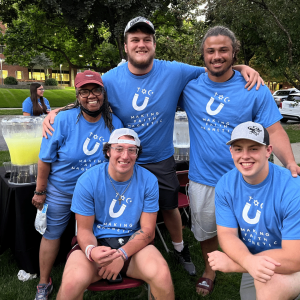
(88, 251)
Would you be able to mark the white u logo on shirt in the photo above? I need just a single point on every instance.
(213, 112)
(117, 214)
(90, 152)
(245, 215)
(143, 106)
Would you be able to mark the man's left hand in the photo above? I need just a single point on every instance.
(294, 168)
(112, 270)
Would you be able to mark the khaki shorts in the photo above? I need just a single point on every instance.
(247, 288)
(202, 203)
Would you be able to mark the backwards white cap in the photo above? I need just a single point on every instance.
(116, 134)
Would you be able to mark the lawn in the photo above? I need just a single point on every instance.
(227, 285)
(13, 98)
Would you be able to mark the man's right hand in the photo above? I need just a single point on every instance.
(103, 255)
(48, 121)
(260, 268)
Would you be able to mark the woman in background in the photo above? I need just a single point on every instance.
(36, 104)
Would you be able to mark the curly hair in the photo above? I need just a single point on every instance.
(221, 30)
(106, 112)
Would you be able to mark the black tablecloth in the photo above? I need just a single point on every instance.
(17, 231)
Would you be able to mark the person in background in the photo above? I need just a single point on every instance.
(36, 104)
(76, 146)
(258, 219)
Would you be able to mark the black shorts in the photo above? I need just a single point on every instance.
(165, 172)
(126, 263)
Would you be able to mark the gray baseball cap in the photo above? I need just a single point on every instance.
(250, 131)
(139, 21)
(116, 134)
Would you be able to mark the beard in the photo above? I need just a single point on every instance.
(219, 73)
(141, 65)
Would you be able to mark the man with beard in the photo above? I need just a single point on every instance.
(144, 93)
(211, 122)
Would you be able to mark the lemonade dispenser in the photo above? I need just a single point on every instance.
(23, 136)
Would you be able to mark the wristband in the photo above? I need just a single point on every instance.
(125, 254)
(40, 193)
(88, 251)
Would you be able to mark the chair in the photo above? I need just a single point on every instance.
(103, 285)
(183, 201)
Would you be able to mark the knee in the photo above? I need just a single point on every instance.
(270, 290)
(158, 272)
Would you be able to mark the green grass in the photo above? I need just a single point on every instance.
(293, 132)
(13, 98)
(10, 112)
(227, 285)
(4, 156)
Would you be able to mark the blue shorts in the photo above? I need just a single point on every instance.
(58, 212)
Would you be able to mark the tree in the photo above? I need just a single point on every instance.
(268, 32)
(85, 33)
(42, 60)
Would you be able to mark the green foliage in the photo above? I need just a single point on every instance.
(10, 80)
(51, 81)
(268, 32)
(181, 43)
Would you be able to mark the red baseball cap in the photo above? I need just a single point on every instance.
(88, 77)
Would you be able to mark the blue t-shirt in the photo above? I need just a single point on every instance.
(266, 213)
(214, 109)
(27, 105)
(147, 103)
(95, 195)
(74, 148)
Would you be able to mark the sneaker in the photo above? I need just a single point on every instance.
(184, 258)
(43, 291)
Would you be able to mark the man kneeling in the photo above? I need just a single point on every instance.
(116, 203)
(258, 218)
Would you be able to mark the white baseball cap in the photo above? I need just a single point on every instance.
(250, 131)
(116, 134)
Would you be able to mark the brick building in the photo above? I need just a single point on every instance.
(63, 74)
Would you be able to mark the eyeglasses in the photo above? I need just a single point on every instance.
(84, 93)
(42, 90)
(131, 151)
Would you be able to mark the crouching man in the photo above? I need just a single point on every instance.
(116, 204)
(258, 219)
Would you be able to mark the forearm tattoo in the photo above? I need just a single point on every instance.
(142, 235)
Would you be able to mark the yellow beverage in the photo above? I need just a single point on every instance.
(24, 150)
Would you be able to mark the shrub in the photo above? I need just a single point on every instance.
(10, 80)
(51, 81)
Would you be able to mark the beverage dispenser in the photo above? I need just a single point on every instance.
(23, 136)
(181, 137)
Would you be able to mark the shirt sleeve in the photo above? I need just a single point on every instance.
(224, 212)
(291, 220)
(83, 200)
(50, 146)
(27, 106)
(268, 113)
(151, 196)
